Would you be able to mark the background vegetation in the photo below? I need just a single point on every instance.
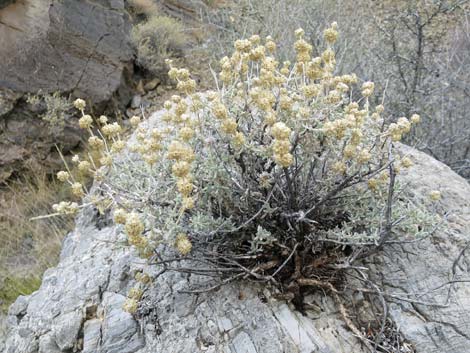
(415, 51)
(28, 248)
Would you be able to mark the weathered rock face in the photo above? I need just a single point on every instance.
(436, 270)
(68, 46)
(74, 47)
(79, 305)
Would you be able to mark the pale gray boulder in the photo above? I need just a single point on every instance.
(437, 269)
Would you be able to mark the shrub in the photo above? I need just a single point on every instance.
(277, 169)
(280, 156)
(158, 39)
(147, 8)
(54, 107)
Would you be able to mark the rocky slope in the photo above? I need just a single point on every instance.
(71, 47)
(79, 305)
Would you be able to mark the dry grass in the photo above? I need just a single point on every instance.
(158, 39)
(144, 7)
(28, 248)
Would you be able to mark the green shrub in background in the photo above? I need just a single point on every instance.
(54, 106)
(14, 286)
(147, 8)
(157, 39)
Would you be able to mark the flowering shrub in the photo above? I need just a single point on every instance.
(54, 107)
(279, 161)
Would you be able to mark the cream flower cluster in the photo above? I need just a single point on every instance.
(65, 207)
(228, 125)
(134, 228)
(182, 155)
(185, 83)
(281, 145)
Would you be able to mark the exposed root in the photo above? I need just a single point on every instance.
(309, 282)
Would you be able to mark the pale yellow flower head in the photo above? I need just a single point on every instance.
(284, 160)
(85, 122)
(331, 34)
(80, 104)
(219, 110)
(299, 32)
(134, 226)
(120, 216)
(280, 131)
(181, 169)
(187, 203)
(406, 162)
(66, 208)
(95, 142)
(135, 121)
(103, 119)
(63, 176)
(367, 88)
(415, 118)
(435, 195)
(185, 186)
(182, 244)
(84, 167)
(77, 189)
(130, 306)
(178, 151)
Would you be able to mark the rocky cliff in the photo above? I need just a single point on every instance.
(71, 47)
(79, 305)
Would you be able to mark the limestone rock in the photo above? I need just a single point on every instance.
(435, 270)
(152, 84)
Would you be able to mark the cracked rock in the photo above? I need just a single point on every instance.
(78, 48)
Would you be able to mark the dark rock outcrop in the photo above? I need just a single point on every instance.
(4, 3)
(77, 48)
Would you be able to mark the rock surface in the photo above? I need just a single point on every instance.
(78, 48)
(437, 269)
(79, 304)
(67, 46)
(79, 308)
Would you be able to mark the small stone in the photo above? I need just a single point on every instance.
(136, 101)
(48, 345)
(152, 84)
(19, 307)
(66, 329)
(140, 87)
(160, 90)
(91, 335)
